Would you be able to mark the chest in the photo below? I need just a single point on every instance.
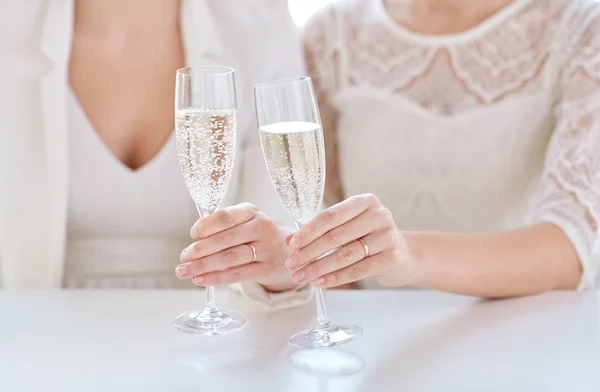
(127, 91)
(108, 199)
(472, 172)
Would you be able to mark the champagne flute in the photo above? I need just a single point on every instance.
(205, 129)
(292, 142)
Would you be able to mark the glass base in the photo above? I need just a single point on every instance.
(210, 321)
(325, 336)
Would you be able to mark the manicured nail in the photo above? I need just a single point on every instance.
(198, 279)
(295, 243)
(319, 281)
(299, 276)
(182, 270)
(291, 262)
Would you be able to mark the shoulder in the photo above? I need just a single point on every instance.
(579, 52)
(579, 9)
(580, 28)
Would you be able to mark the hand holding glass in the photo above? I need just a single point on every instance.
(205, 127)
(292, 143)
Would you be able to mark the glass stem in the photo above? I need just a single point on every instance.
(210, 297)
(322, 316)
(210, 290)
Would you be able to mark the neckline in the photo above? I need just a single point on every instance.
(107, 151)
(455, 38)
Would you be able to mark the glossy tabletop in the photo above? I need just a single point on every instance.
(413, 341)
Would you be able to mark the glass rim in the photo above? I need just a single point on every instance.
(281, 82)
(189, 70)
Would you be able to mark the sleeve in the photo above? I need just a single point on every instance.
(571, 179)
(283, 59)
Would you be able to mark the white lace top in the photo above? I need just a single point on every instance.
(485, 130)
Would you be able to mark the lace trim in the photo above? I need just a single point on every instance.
(571, 192)
(352, 47)
(573, 161)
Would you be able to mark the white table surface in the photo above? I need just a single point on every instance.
(413, 341)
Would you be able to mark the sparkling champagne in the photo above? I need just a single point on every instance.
(206, 150)
(295, 156)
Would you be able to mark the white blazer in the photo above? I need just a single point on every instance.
(255, 37)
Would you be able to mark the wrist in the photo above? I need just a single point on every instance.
(414, 258)
(282, 279)
(279, 284)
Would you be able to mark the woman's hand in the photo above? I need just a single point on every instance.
(236, 244)
(362, 241)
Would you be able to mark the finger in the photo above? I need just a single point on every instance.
(244, 273)
(222, 220)
(288, 238)
(341, 235)
(218, 242)
(232, 257)
(331, 218)
(340, 259)
(355, 272)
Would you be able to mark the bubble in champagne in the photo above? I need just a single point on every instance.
(206, 150)
(295, 157)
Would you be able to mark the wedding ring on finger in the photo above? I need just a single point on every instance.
(253, 252)
(365, 247)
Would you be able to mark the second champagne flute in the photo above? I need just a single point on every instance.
(205, 130)
(292, 142)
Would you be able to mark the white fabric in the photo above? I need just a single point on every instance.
(265, 300)
(126, 228)
(480, 131)
(34, 173)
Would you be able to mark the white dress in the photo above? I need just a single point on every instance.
(126, 228)
(486, 130)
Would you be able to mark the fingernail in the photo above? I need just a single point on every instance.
(291, 262)
(183, 252)
(299, 276)
(319, 281)
(182, 270)
(295, 243)
(198, 279)
(193, 233)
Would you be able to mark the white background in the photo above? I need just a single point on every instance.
(301, 10)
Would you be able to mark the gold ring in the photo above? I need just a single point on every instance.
(365, 247)
(253, 252)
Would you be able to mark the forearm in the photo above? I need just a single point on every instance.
(521, 262)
